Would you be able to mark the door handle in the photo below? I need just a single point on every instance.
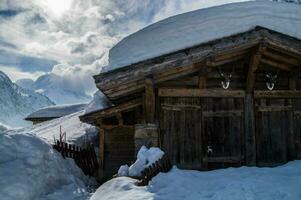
(209, 150)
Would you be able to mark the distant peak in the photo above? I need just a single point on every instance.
(4, 77)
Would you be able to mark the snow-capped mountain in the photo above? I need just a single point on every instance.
(56, 88)
(17, 102)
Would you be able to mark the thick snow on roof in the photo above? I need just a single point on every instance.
(99, 102)
(242, 183)
(77, 132)
(200, 26)
(57, 111)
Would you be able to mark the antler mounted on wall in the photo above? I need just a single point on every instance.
(225, 78)
(271, 80)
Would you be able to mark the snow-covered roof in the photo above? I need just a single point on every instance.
(99, 102)
(56, 111)
(204, 25)
(77, 132)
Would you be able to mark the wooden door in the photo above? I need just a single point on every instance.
(274, 127)
(181, 131)
(119, 149)
(223, 132)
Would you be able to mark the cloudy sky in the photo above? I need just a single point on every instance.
(71, 38)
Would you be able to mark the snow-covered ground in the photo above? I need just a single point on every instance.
(204, 25)
(31, 170)
(244, 183)
(77, 132)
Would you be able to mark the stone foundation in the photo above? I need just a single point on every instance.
(147, 135)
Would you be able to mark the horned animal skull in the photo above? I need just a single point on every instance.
(226, 79)
(271, 80)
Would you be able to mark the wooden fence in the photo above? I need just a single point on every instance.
(85, 158)
(162, 165)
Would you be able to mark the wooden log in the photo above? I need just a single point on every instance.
(214, 93)
(223, 113)
(149, 101)
(282, 58)
(254, 63)
(101, 147)
(274, 108)
(250, 139)
(229, 159)
(278, 94)
(278, 65)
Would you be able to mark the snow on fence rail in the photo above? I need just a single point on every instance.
(85, 158)
(161, 165)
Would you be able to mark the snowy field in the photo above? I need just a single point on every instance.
(245, 183)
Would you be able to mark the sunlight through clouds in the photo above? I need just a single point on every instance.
(80, 33)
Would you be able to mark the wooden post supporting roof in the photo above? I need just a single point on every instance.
(254, 63)
(203, 78)
(149, 101)
(250, 139)
(291, 133)
(101, 152)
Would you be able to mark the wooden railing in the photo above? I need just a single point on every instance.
(162, 165)
(85, 158)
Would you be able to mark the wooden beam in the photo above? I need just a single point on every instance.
(119, 108)
(250, 136)
(215, 93)
(282, 94)
(295, 73)
(120, 119)
(292, 135)
(254, 63)
(285, 59)
(278, 65)
(203, 78)
(215, 63)
(149, 101)
(222, 113)
(101, 150)
(274, 108)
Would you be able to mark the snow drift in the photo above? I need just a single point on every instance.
(30, 169)
(204, 25)
(244, 183)
(145, 158)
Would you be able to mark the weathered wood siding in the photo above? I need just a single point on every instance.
(192, 126)
(223, 132)
(119, 148)
(273, 128)
(180, 129)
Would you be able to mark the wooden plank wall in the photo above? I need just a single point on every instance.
(223, 131)
(119, 148)
(273, 127)
(189, 125)
(180, 128)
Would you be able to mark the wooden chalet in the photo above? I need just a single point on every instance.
(229, 102)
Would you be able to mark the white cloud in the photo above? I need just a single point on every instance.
(15, 74)
(81, 32)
